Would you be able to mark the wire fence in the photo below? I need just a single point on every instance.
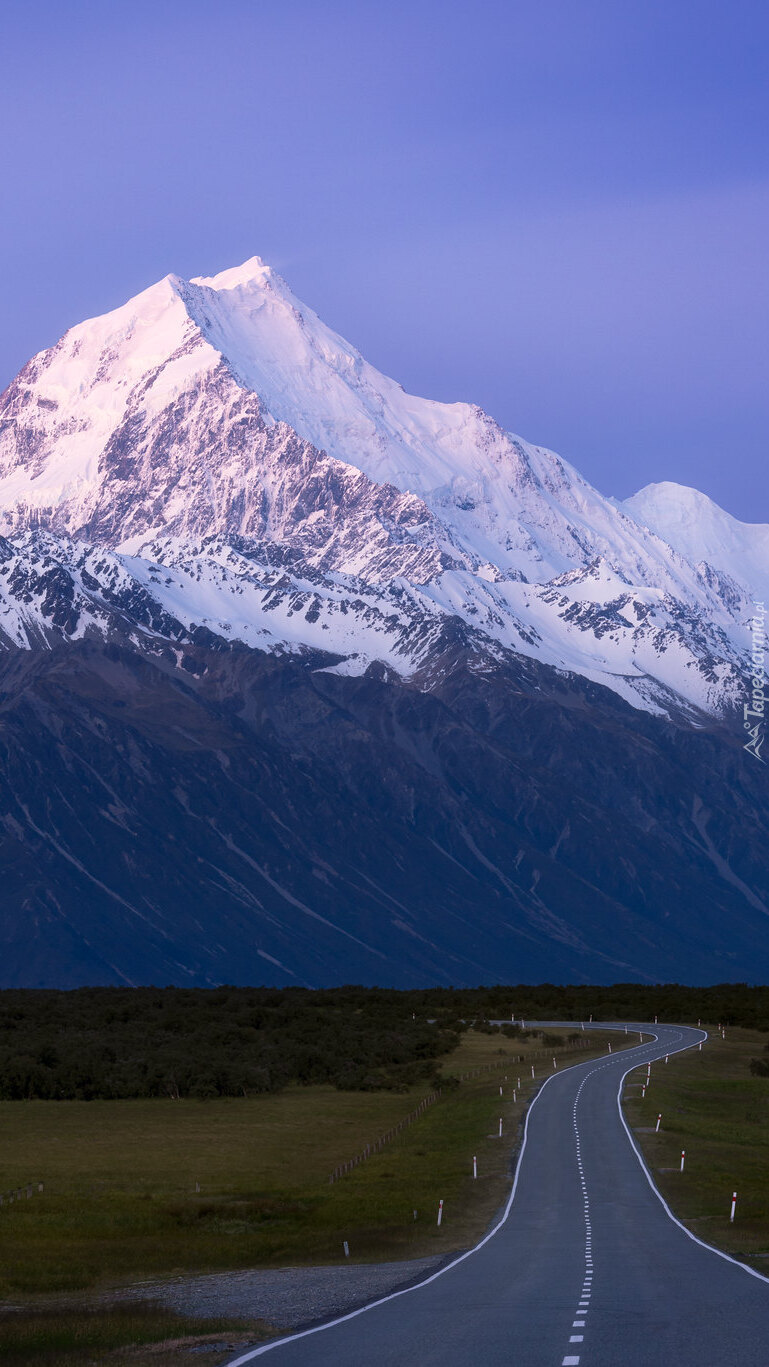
(383, 1140)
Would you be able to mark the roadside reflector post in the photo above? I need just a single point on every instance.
(643, 1090)
(657, 1126)
(475, 1166)
(500, 1127)
(655, 1020)
(346, 1249)
(532, 1070)
(734, 1203)
(609, 1048)
(500, 1091)
(667, 1056)
(700, 1046)
(519, 1084)
(514, 1096)
(582, 1023)
(683, 1156)
(554, 1065)
(440, 1211)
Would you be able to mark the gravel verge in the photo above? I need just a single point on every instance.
(288, 1297)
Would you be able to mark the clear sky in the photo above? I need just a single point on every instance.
(557, 209)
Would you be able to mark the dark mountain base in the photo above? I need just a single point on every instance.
(250, 819)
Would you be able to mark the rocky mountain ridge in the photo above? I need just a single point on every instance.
(219, 419)
(305, 679)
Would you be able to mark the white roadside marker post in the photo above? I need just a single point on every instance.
(643, 1090)
(440, 1210)
(667, 1056)
(514, 1096)
(500, 1127)
(609, 1048)
(532, 1070)
(700, 1047)
(683, 1156)
(500, 1091)
(346, 1249)
(553, 1065)
(657, 1126)
(475, 1166)
(519, 1084)
(734, 1203)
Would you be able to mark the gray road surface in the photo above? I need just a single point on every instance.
(587, 1269)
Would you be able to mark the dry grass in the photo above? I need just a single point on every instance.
(135, 1335)
(713, 1108)
(120, 1202)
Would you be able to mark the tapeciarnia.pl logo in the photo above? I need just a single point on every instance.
(754, 710)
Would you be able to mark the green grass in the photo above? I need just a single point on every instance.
(120, 1203)
(65, 1336)
(713, 1108)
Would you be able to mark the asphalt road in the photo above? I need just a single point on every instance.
(587, 1268)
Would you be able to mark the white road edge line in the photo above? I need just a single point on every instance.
(710, 1247)
(353, 1314)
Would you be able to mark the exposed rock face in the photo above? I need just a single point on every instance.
(225, 409)
(303, 678)
(248, 819)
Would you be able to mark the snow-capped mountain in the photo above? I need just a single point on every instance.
(216, 425)
(736, 553)
(257, 476)
(305, 679)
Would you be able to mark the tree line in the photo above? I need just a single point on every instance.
(117, 1042)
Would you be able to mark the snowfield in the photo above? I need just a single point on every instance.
(211, 455)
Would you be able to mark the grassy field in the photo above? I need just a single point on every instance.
(718, 1113)
(137, 1335)
(120, 1200)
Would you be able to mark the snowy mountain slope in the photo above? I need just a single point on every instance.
(252, 472)
(735, 553)
(308, 679)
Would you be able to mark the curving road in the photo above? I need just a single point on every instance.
(586, 1269)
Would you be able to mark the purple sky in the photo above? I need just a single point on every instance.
(557, 210)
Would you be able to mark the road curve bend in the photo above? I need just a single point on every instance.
(586, 1268)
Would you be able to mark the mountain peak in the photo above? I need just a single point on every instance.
(223, 407)
(252, 271)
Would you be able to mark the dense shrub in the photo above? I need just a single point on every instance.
(113, 1042)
